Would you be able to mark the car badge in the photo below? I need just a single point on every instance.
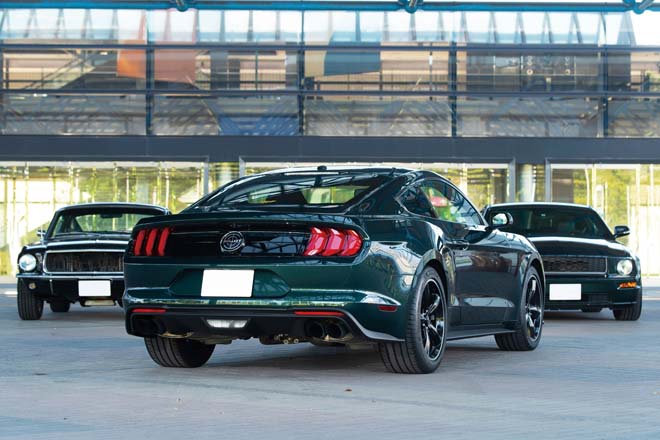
(232, 242)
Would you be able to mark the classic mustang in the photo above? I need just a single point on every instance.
(331, 256)
(586, 268)
(79, 258)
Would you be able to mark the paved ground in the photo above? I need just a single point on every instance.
(79, 376)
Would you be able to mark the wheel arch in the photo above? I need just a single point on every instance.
(439, 268)
(538, 265)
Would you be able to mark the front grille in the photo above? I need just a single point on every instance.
(68, 262)
(575, 265)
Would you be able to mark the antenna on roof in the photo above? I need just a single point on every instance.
(322, 168)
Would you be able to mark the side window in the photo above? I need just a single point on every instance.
(414, 200)
(449, 204)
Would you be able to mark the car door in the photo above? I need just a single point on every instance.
(485, 264)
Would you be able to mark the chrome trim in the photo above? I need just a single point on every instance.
(93, 242)
(72, 251)
(601, 274)
(73, 275)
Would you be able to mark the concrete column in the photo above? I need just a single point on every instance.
(526, 183)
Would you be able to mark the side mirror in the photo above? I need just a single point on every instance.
(41, 234)
(621, 231)
(501, 219)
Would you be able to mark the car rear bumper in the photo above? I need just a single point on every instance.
(197, 322)
(600, 292)
(49, 287)
(265, 316)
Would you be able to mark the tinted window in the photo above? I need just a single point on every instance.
(440, 200)
(559, 221)
(86, 222)
(296, 189)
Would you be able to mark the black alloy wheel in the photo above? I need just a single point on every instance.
(426, 330)
(528, 333)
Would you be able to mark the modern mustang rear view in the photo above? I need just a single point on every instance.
(394, 257)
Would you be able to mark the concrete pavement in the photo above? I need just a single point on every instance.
(79, 376)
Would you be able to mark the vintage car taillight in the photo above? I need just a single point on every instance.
(151, 242)
(328, 242)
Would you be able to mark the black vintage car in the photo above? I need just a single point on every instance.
(79, 258)
(586, 268)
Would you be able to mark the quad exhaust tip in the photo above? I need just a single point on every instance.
(327, 331)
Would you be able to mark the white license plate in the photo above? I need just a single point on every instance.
(94, 288)
(565, 292)
(227, 283)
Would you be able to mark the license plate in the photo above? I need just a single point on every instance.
(94, 288)
(227, 283)
(565, 292)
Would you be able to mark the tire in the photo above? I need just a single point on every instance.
(629, 313)
(178, 353)
(30, 307)
(591, 309)
(426, 331)
(528, 334)
(60, 306)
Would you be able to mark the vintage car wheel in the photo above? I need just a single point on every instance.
(30, 307)
(426, 332)
(178, 353)
(528, 335)
(591, 309)
(629, 313)
(60, 306)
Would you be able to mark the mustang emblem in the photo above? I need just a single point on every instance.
(232, 242)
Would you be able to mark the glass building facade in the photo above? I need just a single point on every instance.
(207, 80)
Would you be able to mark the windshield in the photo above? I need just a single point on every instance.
(95, 222)
(558, 221)
(295, 189)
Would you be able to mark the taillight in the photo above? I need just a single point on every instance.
(327, 242)
(151, 242)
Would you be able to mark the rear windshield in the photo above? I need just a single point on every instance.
(303, 189)
(556, 221)
(97, 222)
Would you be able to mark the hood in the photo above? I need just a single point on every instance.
(80, 242)
(579, 246)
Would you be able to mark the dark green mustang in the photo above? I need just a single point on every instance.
(395, 257)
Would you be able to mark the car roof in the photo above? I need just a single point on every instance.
(539, 205)
(113, 205)
(339, 169)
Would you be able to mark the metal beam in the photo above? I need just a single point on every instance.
(330, 148)
(355, 5)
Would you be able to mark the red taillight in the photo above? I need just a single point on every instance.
(139, 241)
(330, 241)
(317, 242)
(162, 241)
(387, 308)
(353, 243)
(317, 313)
(151, 242)
(146, 310)
(335, 243)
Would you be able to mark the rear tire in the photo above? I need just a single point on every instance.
(30, 307)
(528, 334)
(178, 353)
(591, 309)
(60, 306)
(426, 330)
(629, 313)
